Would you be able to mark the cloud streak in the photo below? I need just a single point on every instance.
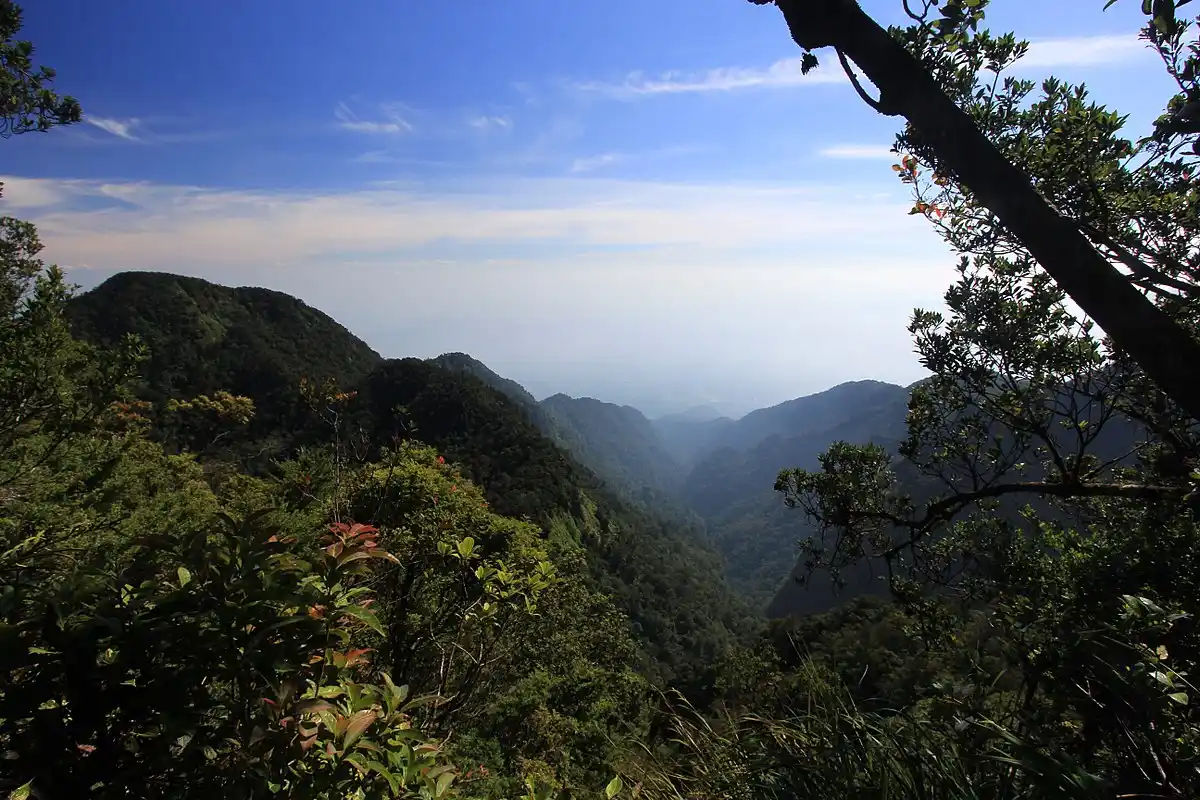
(785, 73)
(869, 152)
(121, 128)
(593, 163)
(486, 122)
(782, 73)
(1084, 51)
(389, 121)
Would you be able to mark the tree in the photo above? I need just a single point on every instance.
(26, 101)
(1047, 488)
(1165, 349)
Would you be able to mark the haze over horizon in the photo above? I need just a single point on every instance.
(643, 203)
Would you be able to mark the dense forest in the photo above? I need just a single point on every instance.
(244, 555)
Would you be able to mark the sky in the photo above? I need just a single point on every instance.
(639, 201)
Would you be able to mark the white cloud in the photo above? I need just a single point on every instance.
(872, 152)
(592, 163)
(389, 120)
(154, 226)
(33, 193)
(783, 73)
(1084, 51)
(486, 123)
(121, 128)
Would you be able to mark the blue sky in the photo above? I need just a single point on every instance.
(598, 198)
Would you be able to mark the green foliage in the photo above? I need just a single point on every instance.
(27, 103)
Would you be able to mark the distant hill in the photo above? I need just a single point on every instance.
(732, 488)
(687, 439)
(693, 414)
(618, 441)
(812, 413)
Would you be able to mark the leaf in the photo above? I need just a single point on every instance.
(614, 787)
(312, 706)
(23, 792)
(387, 775)
(1179, 697)
(443, 783)
(185, 576)
(466, 546)
(365, 617)
(358, 724)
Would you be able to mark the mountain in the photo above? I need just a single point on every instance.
(693, 414)
(461, 362)
(822, 411)
(732, 487)
(663, 575)
(204, 338)
(618, 442)
(687, 438)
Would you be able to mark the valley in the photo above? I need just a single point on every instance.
(709, 478)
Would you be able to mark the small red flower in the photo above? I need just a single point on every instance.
(441, 460)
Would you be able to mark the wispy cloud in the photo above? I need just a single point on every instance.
(592, 163)
(1084, 51)
(121, 128)
(783, 73)
(149, 226)
(389, 120)
(485, 122)
(872, 152)
(584, 164)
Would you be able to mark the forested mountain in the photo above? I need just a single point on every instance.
(202, 338)
(660, 572)
(618, 440)
(617, 443)
(461, 362)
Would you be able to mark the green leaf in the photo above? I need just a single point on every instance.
(185, 576)
(366, 617)
(466, 547)
(614, 787)
(358, 724)
(443, 783)
(1179, 697)
(22, 792)
(386, 774)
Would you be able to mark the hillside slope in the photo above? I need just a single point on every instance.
(204, 337)
(620, 443)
